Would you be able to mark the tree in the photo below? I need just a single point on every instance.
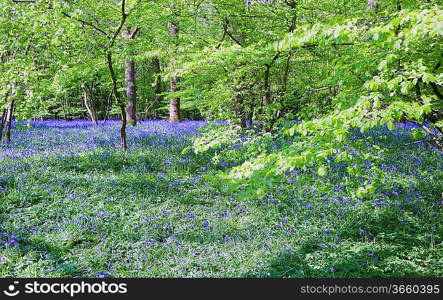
(335, 74)
(174, 110)
(24, 56)
(131, 93)
(397, 70)
(7, 123)
(108, 48)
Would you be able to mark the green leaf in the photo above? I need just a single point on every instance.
(322, 171)
(404, 87)
(417, 133)
(390, 125)
(427, 77)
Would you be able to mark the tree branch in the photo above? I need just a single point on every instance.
(119, 28)
(87, 23)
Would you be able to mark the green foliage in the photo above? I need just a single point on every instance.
(320, 102)
(82, 208)
(388, 94)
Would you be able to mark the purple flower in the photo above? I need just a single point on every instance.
(102, 275)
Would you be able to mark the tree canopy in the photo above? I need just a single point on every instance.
(335, 67)
(258, 138)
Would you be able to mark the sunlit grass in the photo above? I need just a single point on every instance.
(74, 205)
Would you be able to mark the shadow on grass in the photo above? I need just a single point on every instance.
(391, 250)
(116, 161)
(43, 250)
(393, 262)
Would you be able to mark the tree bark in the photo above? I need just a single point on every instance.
(119, 101)
(6, 135)
(89, 104)
(266, 86)
(2, 123)
(131, 93)
(239, 107)
(174, 106)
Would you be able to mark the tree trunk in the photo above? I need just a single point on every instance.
(158, 80)
(6, 135)
(89, 104)
(131, 92)
(174, 110)
(119, 100)
(123, 128)
(266, 87)
(239, 109)
(174, 107)
(2, 123)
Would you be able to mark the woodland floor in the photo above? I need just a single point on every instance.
(73, 205)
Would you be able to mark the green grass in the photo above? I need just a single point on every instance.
(152, 212)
